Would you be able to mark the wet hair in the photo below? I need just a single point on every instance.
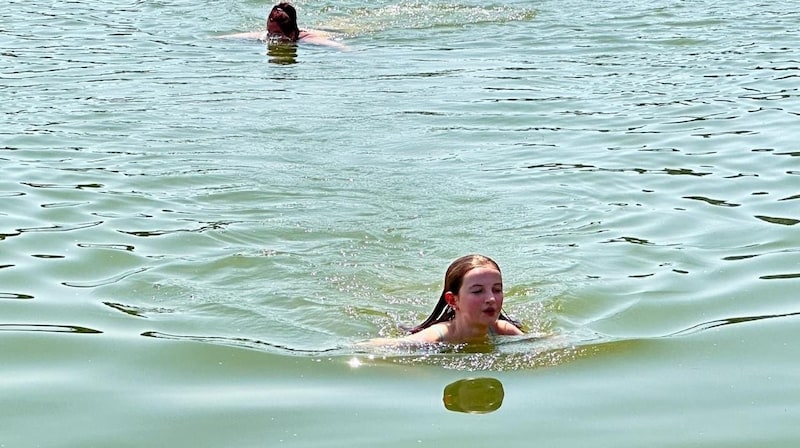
(453, 279)
(288, 27)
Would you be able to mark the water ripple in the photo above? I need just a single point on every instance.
(107, 281)
(11, 295)
(776, 220)
(57, 228)
(238, 342)
(124, 247)
(717, 202)
(588, 167)
(63, 186)
(729, 321)
(779, 276)
(48, 328)
(203, 228)
(136, 311)
(65, 204)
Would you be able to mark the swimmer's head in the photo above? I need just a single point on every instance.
(458, 269)
(282, 22)
(453, 279)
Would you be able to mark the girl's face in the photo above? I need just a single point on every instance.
(480, 297)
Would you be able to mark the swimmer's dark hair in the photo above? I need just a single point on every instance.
(288, 27)
(453, 279)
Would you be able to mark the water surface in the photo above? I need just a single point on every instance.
(195, 231)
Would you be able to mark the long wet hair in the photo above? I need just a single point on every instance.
(288, 27)
(453, 279)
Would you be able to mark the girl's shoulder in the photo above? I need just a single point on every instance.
(435, 333)
(506, 328)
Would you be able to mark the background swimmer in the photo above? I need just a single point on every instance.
(282, 26)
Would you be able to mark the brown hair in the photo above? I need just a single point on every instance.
(453, 279)
(288, 27)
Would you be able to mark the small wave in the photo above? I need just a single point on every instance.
(137, 311)
(779, 276)
(729, 321)
(14, 296)
(63, 186)
(239, 342)
(57, 228)
(717, 202)
(125, 247)
(48, 328)
(106, 281)
(65, 204)
(205, 227)
(776, 220)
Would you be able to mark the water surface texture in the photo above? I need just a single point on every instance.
(195, 231)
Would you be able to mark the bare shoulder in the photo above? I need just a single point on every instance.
(434, 333)
(506, 328)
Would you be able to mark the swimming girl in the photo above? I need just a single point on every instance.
(470, 307)
(282, 27)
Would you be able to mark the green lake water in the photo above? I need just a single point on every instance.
(195, 232)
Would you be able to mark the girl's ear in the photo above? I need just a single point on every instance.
(451, 299)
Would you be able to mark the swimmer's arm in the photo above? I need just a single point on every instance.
(320, 38)
(381, 342)
(253, 35)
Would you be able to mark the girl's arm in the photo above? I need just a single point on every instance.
(253, 35)
(320, 38)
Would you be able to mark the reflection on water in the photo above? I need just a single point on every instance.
(282, 53)
(474, 395)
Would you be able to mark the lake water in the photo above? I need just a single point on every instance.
(194, 231)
